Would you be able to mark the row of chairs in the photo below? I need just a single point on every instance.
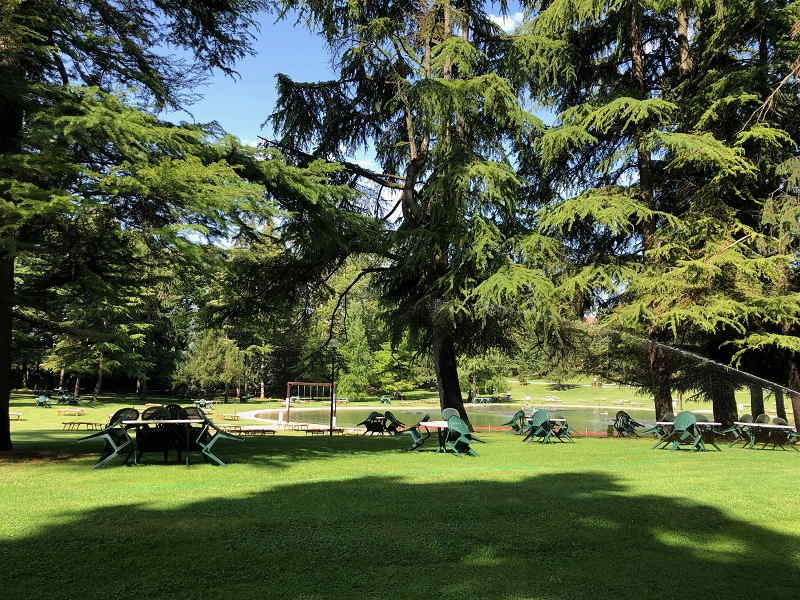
(457, 438)
(540, 426)
(159, 437)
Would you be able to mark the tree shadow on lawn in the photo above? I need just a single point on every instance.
(577, 535)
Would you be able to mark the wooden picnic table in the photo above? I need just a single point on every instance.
(15, 416)
(325, 430)
(70, 411)
(76, 425)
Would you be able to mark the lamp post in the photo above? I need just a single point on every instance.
(333, 387)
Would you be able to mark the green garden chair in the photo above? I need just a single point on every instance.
(539, 427)
(562, 432)
(625, 425)
(116, 437)
(781, 437)
(392, 423)
(737, 432)
(43, 401)
(756, 434)
(459, 437)
(209, 435)
(417, 439)
(517, 422)
(684, 433)
(449, 412)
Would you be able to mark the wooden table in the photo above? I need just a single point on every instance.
(77, 412)
(15, 416)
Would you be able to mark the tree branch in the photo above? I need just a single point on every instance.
(379, 178)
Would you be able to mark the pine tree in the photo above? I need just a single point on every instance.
(660, 170)
(416, 82)
(47, 45)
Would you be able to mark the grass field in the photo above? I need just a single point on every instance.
(311, 518)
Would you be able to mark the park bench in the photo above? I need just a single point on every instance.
(325, 431)
(75, 412)
(231, 417)
(252, 430)
(76, 425)
(15, 416)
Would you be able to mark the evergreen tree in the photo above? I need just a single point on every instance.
(416, 83)
(46, 45)
(659, 168)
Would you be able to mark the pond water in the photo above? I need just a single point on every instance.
(580, 419)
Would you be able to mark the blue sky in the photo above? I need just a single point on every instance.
(241, 105)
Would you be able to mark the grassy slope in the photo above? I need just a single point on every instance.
(297, 517)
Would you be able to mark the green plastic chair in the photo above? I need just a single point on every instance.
(781, 437)
(459, 437)
(210, 434)
(449, 412)
(417, 439)
(539, 427)
(683, 433)
(562, 432)
(118, 441)
(43, 401)
(517, 422)
(736, 431)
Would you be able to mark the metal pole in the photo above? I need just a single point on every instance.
(333, 393)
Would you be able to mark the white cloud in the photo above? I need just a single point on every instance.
(507, 22)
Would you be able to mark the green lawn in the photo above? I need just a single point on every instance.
(300, 517)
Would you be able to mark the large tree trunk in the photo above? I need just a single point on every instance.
(444, 360)
(98, 384)
(638, 68)
(77, 390)
(756, 400)
(724, 400)
(11, 119)
(780, 407)
(794, 383)
(661, 373)
(6, 303)
(684, 62)
(262, 390)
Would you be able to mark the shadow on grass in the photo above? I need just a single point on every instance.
(577, 535)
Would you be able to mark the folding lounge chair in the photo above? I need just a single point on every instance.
(116, 436)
